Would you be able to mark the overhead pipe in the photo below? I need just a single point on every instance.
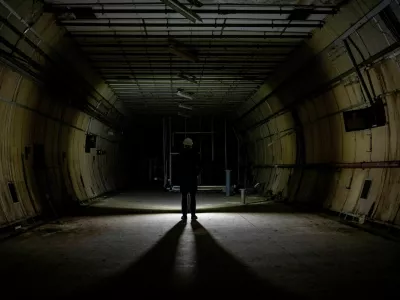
(23, 36)
(355, 165)
(319, 90)
(315, 24)
(262, 9)
(348, 32)
(189, 36)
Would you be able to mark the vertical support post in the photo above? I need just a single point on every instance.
(212, 139)
(170, 151)
(226, 147)
(228, 182)
(243, 195)
(245, 172)
(164, 153)
(199, 180)
(238, 160)
(238, 155)
(227, 172)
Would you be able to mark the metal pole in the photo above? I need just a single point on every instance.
(170, 151)
(227, 172)
(228, 182)
(226, 149)
(238, 161)
(212, 139)
(243, 195)
(201, 158)
(164, 153)
(238, 155)
(355, 65)
(245, 171)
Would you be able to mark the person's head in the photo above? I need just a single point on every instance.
(187, 143)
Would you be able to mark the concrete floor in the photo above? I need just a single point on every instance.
(270, 252)
(160, 201)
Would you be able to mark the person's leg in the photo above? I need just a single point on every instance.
(193, 203)
(184, 204)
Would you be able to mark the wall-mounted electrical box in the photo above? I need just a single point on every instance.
(366, 118)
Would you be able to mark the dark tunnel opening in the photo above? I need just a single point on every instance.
(292, 109)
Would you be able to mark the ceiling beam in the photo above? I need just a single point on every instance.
(118, 44)
(190, 36)
(288, 24)
(166, 54)
(114, 8)
(177, 63)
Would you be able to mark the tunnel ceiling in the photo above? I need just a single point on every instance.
(148, 53)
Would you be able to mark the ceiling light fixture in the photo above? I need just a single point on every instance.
(183, 94)
(183, 10)
(188, 77)
(185, 107)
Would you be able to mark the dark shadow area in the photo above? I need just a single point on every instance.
(215, 273)
(151, 275)
(220, 273)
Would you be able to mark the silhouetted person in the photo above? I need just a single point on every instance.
(189, 169)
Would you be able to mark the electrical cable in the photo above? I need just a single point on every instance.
(366, 69)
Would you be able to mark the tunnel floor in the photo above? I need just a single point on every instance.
(161, 201)
(277, 252)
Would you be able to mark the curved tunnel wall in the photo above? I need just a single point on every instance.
(296, 137)
(44, 165)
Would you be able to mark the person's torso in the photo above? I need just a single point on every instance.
(188, 163)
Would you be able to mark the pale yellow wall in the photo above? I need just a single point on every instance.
(30, 115)
(322, 131)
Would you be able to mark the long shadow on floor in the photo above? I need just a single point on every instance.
(216, 272)
(147, 277)
(220, 273)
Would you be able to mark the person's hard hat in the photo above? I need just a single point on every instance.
(188, 142)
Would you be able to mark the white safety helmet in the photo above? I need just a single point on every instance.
(188, 142)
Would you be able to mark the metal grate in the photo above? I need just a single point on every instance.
(142, 48)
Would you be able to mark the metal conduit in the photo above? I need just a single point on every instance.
(355, 165)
